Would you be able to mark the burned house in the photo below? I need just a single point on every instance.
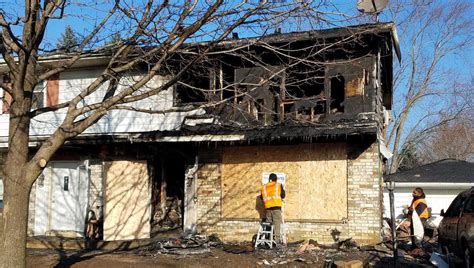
(310, 106)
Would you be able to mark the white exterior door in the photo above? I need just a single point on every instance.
(61, 199)
(68, 210)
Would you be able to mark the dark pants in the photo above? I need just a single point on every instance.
(274, 217)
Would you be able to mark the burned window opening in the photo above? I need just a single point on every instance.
(305, 88)
(259, 88)
(193, 88)
(337, 94)
(302, 84)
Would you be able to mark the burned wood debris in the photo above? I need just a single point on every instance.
(191, 245)
(170, 217)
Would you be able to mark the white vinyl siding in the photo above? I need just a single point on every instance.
(115, 121)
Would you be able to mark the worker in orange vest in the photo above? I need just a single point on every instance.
(419, 205)
(272, 195)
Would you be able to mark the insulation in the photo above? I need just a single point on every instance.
(127, 201)
(316, 180)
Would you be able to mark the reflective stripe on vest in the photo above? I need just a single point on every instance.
(424, 214)
(271, 193)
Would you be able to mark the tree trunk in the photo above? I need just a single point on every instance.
(14, 223)
(16, 186)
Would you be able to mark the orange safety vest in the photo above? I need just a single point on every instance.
(424, 214)
(271, 193)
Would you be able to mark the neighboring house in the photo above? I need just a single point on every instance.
(320, 125)
(441, 181)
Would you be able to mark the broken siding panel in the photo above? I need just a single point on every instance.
(127, 201)
(316, 180)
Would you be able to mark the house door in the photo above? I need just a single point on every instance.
(190, 199)
(69, 196)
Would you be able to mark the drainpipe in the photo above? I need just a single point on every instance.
(391, 187)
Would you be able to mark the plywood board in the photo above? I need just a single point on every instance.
(127, 201)
(316, 182)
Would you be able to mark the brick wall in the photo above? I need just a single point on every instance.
(364, 207)
(96, 191)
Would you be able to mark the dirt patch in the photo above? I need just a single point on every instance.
(215, 258)
(237, 255)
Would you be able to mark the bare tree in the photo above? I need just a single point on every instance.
(432, 33)
(157, 33)
(454, 140)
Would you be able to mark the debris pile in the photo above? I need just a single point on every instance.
(192, 245)
(170, 218)
(281, 261)
(309, 246)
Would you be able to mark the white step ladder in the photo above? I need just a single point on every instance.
(265, 235)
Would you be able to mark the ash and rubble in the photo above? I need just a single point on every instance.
(305, 252)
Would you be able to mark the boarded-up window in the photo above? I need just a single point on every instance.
(316, 180)
(52, 91)
(127, 201)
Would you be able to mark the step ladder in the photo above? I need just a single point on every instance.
(265, 235)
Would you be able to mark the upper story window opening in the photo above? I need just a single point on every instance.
(337, 94)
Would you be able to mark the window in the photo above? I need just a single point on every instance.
(38, 96)
(260, 88)
(337, 94)
(304, 92)
(192, 89)
(66, 183)
(456, 206)
(469, 208)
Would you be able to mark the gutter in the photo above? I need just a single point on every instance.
(200, 138)
(435, 185)
(396, 44)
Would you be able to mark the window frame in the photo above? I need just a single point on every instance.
(457, 204)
